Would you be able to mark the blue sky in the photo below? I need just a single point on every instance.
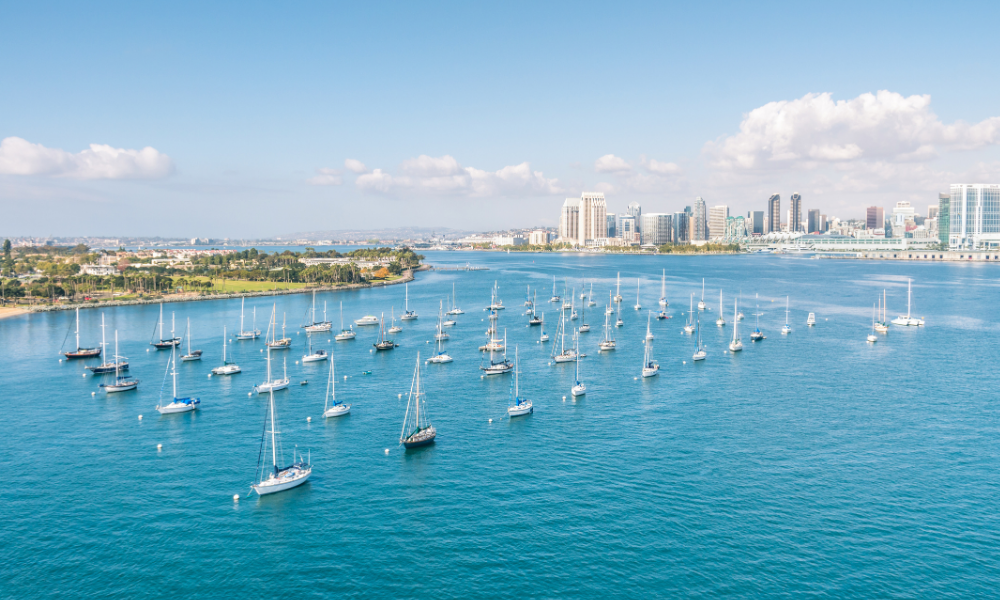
(243, 104)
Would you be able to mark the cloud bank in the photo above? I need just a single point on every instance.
(20, 157)
(445, 176)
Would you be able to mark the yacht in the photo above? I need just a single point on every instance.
(786, 328)
(273, 479)
(417, 429)
(366, 320)
(756, 335)
(618, 290)
(121, 383)
(881, 325)
(393, 328)
(317, 326)
(908, 320)
(584, 327)
(565, 354)
(578, 389)
(441, 357)
(254, 333)
(83, 352)
(721, 321)
(331, 406)
(345, 334)
(690, 327)
(518, 406)
(283, 343)
(115, 366)
(811, 320)
(191, 354)
(608, 343)
(533, 318)
(227, 368)
(383, 342)
(737, 343)
(650, 367)
(700, 353)
(701, 303)
(317, 356)
(408, 315)
(441, 333)
(273, 385)
(637, 305)
(555, 297)
(663, 291)
(165, 343)
(177, 405)
(543, 337)
(498, 367)
(455, 310)
(495, 303)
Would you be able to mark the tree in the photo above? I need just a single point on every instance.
(8, 262)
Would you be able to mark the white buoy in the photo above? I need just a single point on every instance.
(296, 362)
(93, 393)
(482, 377)
(387, 451)
(684, 362)
(60, 360)
(345, 376)
(236, 497)
(159, 447)
(140, 417)
(400, 396)
(249, 394)
(209, 375)
(147, 349)
(635, 379)
(491, 420)
(262, 350)
(84, 375)
(309, 419)
(564, 398)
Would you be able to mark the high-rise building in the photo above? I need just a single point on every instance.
(612, 225)
(700, 230)
(717, 216)
(635, 209)
(680, 226)
(628, 228)
(593, 218)
(795, 218)
(932, 211)
(656, 229)
(875, 218)
(944, 217)
(538, 237)
(824, 225)
(774, 213)
(903, 219)
(812, 219)
(569, 221)
(974, 215)
(755, 225)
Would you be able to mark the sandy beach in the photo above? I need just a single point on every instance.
(12, 312)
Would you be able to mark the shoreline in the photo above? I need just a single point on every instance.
(408, 276)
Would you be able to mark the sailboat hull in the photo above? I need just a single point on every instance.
(525, 408)
(281, 484)
(337, 411)
(347, 335)
(108, 368)
(421, 438)
(121, 387)
(226, 370)
(83, 353)
(273, 386)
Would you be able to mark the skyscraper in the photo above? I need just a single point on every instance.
(756, 222)
(944, 217)
(875, 218)
(974, 215)
(795, 216)
(717, 216)
(593, 217)
(813, 220)
(656, 229)
(612, 225)
(628, 229)
(569, 221)
(680, 225)
(635, 209)
(774, 213)
(700, 230)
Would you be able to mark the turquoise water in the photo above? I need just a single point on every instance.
(808, 465)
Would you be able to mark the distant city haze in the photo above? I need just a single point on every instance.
(245, 121)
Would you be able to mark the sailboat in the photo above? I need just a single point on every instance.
(701, 303)
(578, 389)
(441, 333)
(555, 297)
(191, 354)
(572, 306)
(383, 342)
(618, 290)
(518, 406)
(408, 315)
(345, 334)
(649, 366)
(649, 332)
(881, 325)
(331, 406)
(689, 327)
(393, 329)
(527, 298)
(116, 364)
(82, 352)
(584, 327)
(756, 335)
(908, 320)
(590, 296)
(317, 356)
(498, 367)
(637, 305)
(273, 385)
(533, 319)
(608, 343)
(663, 290)
(565, 354)
(273, 479)
(317, 326)
(495, 302)
(121, 383)
(177, 405)
(811, 319)
(441, 357)
(618, 315)
(254, 333)
(700, 353)
(279, 344)
(583, 294)
(721, 321)
(417, 429)
(737, 343)
(786, 328)
(455, 310)
(165, 343)
(227, 368)
(493, 343)
(543, 337)
(872, 338)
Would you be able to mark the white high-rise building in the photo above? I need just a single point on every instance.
(657, 229)
(635, 209)
(538, 237)
(699, 221)
(717, 216)
(593, 218)
(569, 221)
(974, 215)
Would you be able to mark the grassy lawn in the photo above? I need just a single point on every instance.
(235, 285)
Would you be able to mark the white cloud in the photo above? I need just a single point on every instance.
(814, 130)
(20, 157)
(609, 163)
(444, 175)
(326, 177)
(658, 167)
(355, 166)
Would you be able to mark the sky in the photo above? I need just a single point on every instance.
(254, 119)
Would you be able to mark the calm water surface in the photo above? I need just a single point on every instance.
(808, 465)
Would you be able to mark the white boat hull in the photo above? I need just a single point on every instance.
(366, 321)
(314, 358)
(440, 359)
(111, 389)
(279, 485)
(736, 347)
(606, 346)
(337, 411)
(872, 339)
(651, 371)
(584, 328)
(319, 328)
(699, 355)
(273, 386)
(524, 408)
(701, 306)
(177, 407)
(689, 329)
(579, 390)
(226, 370)
(564, 358)
(342, 337)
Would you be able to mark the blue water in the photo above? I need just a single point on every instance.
(808, 465)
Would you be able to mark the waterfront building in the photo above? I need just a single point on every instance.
(813, 225)
(974, 215)
(612, 225)
(629, 229)
(538, 237)
(903, 219)
(944, 217)
(635, 209)
(755, 222)
(717, 216)
(509, 240)
(774, 213)
(824, 225)
(569, 221)
(795, 213)
(735, 231)
(583, 219)
(680, 226)
(700, 222)
(656, 229)
(875, 217)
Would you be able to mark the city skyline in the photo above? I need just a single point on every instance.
(260, 124)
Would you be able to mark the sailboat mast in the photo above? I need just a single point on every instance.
(418, 393)
(188, 334)
(117, 373)
(173, 360)
(78, 327)
(243, 302)
(223, 345)
(516, 390)
(104, 342)
(274, 450)
(161, 321)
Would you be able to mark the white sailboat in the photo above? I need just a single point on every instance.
(608, 343)
(317, 356)
(191, 354)
(578, 389)
(637, 305)
(441, 357)
(165, 343)
(227, 368)
(495, 302)
(811, 319)
(737, 343)
(618, 289)
(882, 326)
(331, 406)
(285, 342)
(273, 479)
(417, 428)
(584, 327)
(786, 328)
(756, 335)
(317, 326)
(721, 321)
(393, 328)
(908, 320)
(408, 315)
(542, 336)
(82, 352)
(590, 296)
(254, 333)
(121, 382)
(650, 367)
(663, 290)
(699, 353)
(345, 334)
(533, 318)
(689, 327)
(115, 365)
(572, 306)
(273, 385)
(455, 310)
(441, 333)
(555, 297)
(565, 354)
(498, 367)
(176, 405)
(701, 303)
(618, 315)
(872, 338)
(518, 406)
